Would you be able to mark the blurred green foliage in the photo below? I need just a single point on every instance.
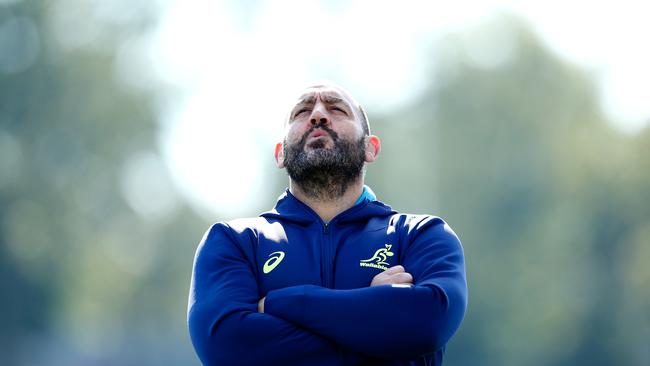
(551, 203)
(85, 278)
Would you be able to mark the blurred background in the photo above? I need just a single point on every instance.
(127, 128)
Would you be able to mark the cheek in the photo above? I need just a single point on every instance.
(295, 132)
(349, 131)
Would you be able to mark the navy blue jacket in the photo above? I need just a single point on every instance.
(319, 308)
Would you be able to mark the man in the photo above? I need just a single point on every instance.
(330, 276)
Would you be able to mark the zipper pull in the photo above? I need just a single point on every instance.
(326, 228)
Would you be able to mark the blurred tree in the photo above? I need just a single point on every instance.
(508, 144)
(95, 248)
(544, 194)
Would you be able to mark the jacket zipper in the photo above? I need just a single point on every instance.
(327, 260)
(326, 255)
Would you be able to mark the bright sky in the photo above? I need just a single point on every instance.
(238, 64)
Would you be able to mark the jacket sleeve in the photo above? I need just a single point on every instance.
(224, 324)
(389, 321)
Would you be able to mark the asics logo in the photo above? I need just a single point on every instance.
(274, 259)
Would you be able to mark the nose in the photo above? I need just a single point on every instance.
(319, 115)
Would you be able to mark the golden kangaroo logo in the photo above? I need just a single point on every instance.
(380, 256)
(273, 261)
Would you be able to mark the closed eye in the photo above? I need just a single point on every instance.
(339, 109)
(300, 111)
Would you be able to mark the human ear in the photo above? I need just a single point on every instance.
(373, 147)
(279, 155)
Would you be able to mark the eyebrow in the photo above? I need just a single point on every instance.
(331, 99)
(308, 99)
(327, 99)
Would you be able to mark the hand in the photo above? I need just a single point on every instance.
(393, 276)
(260, 305)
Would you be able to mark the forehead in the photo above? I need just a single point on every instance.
(327, 94)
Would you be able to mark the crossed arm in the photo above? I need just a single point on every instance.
(396, 275)
(312, 325)
(225, 326)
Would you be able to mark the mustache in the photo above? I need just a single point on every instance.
(331, 132)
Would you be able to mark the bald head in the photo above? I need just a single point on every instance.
(331, 93)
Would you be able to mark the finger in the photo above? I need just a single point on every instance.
(397, 278)
(260, 305)
(403, 277)
(395, 269)
(381, 279)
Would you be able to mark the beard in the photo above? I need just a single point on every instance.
(325, 174)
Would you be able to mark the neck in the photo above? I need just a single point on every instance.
(328, 209)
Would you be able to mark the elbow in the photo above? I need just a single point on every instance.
(205, 341)
(431, 338)
(445, 320)
(434, 340)
(218, 349)
(214, 344)
(426, 325)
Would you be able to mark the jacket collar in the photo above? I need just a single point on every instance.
(289, 208)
